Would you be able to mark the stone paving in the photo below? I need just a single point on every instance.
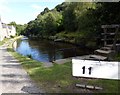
(13, 78)
(62, 61)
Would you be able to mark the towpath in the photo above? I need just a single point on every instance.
(13, 78)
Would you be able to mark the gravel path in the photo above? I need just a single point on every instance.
(13, 78)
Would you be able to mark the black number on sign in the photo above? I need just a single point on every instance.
(83, 69)
(90, 68)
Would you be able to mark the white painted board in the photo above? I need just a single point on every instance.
(95, 69)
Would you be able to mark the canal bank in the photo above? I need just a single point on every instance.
(59, 79)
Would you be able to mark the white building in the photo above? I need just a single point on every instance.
(6, 30)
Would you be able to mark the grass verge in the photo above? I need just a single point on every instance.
(58, 79)
(3, 41)
(117, 57)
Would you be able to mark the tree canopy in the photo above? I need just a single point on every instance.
(74, 21)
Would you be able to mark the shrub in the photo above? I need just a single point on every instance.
(29, 55)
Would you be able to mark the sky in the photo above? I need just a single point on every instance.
(23, 11)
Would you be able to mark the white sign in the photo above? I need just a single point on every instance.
(95, 69)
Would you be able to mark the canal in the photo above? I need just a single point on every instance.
(46, 50)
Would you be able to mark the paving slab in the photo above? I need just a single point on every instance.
(62, 61)
(47, 64)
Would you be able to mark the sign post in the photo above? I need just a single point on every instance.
(95, 69)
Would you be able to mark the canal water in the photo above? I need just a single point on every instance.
(46, 50)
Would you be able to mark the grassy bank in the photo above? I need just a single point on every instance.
(59, 77)
(3, 42)
(117, 57)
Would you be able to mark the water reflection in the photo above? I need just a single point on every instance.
(44, 50)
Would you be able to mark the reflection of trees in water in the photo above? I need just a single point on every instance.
(53, 48)
(71, 52)
(47, 50)
(44, 47)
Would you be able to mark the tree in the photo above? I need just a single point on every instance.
(50, 24)
(46, 10)
(69, 18)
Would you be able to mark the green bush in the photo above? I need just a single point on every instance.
(29, 56)
(11, 36)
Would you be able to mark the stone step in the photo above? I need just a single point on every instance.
(111, 45)
(102, 52)
(108, 39)
(106, 48)
(62, 61)
(99, 57)
(89, 87)
(108, 33)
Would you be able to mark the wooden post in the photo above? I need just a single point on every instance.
(105, 27)
(54, 52)
(105, 37)
(115, 38)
